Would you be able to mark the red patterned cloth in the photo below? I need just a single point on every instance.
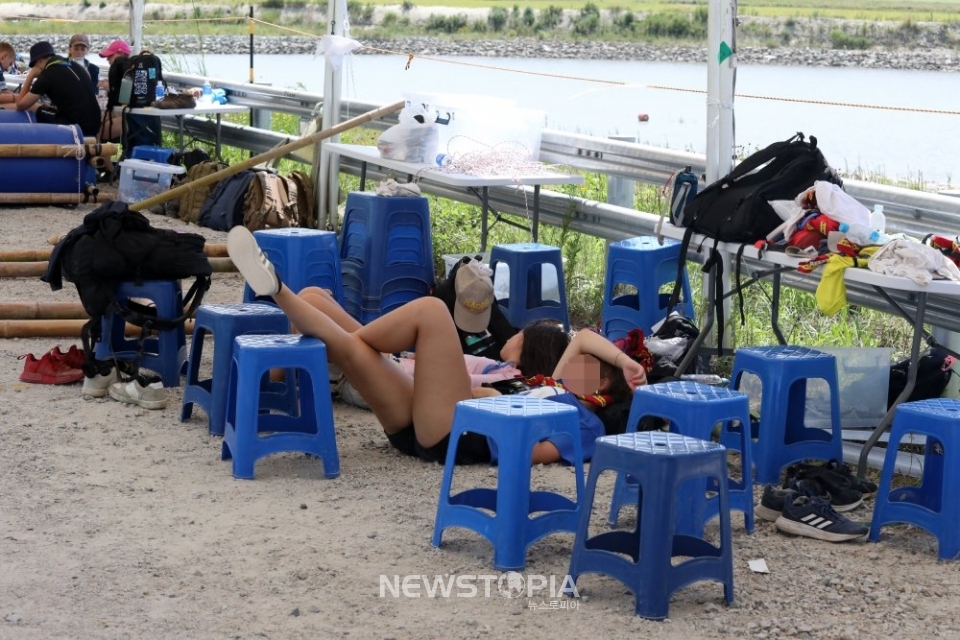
(949, 247)
(634, 347)
(540, 380)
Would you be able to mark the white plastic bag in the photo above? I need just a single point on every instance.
(413, 139)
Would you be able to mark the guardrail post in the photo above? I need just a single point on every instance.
(621, 192)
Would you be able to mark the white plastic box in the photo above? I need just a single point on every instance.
(141, 179)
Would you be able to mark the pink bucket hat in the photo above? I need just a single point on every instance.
(117, 46)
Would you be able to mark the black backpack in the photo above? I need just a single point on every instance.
(223, 207)
(116, 244)
(736, 208)
(145, 73)
(933, 375)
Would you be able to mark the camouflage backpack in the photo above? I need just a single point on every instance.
(270, 202)
(192, 200)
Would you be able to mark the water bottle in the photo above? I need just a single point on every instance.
(856, 233)
(443, 159)
(206, 94)
(877, 220)
(159, 91)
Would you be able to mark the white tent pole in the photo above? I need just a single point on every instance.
(136, 25)
(328, 176)
(713, 90)
(727, 58)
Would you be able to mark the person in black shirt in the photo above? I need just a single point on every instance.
(67, 86)
(117, 53)
(77, 51)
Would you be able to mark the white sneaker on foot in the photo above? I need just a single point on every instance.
(96, 387)
(250, 261)
(152, 396)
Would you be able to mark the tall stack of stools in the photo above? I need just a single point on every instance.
(637, 269)
(526, 263)
(225, 322)
(386, 253)
(250, 432)
(781, 436)
(695, 410)
(167, 352)
(642, 559)
(302, 258)
(934, 504)
(521, 516)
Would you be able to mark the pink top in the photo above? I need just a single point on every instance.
(481, 370)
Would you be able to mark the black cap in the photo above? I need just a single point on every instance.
(40, 50)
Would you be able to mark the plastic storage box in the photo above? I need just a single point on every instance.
(149, 152)
(140, 179)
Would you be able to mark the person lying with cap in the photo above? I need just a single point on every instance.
(68, 87)
(77, 51)
(416, 412)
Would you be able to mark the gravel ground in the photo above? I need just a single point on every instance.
(117, 522)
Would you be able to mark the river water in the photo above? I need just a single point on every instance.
(869, 119)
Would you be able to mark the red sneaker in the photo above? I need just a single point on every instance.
(73, 357)
(48, 370)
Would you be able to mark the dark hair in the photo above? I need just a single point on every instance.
(617, 386)
(544, 341)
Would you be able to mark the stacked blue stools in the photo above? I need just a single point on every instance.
(386, 253)
(531, 266)
(250, 434)
(302, 258)
(167, 352)
(636, 270)
(934, 505)
(694, 410)
(226, 322)
(782, 436)
(661, 463)
(521, 516)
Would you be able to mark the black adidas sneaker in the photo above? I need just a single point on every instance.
(815, 518)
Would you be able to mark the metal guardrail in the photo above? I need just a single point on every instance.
(908, 211)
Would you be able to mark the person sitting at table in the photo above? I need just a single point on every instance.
(117, 54)
(67, 86)
(77, 51)
(416, 412)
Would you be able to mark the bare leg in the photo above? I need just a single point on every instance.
(440, 378)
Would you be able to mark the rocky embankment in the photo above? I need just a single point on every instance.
(925, 59)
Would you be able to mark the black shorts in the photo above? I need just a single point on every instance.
(472, 448)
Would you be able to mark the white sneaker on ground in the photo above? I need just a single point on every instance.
(252, 264)
(96, 387)
(152, 396)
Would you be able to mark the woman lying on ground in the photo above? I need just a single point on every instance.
(415, 412)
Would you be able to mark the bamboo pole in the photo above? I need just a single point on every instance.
(43, 198)
(59, 328)
(37, 269)
(211, 249)
(57, 150)
(42, 311)
(282, 150)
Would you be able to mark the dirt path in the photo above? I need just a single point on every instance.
(116, 522)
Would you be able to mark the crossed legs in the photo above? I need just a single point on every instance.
(440, 378)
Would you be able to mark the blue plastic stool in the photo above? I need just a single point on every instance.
(522, 516)
(167, 352)
(526, 262)
(693, 410)
(302, 258)
(782, 437)
(386, 253)
(636, 269)
(226, 322)
(935, 504)
(661, 463)
(249, 434)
